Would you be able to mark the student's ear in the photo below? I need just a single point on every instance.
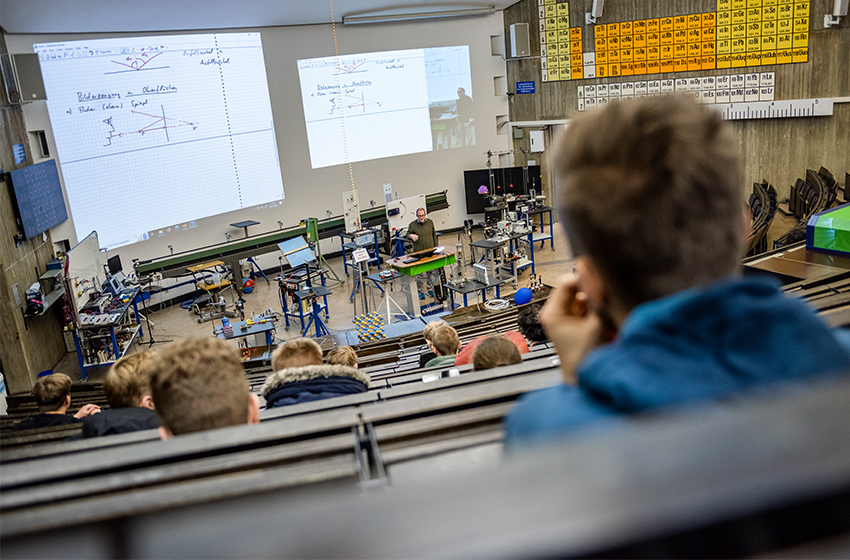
(67, 400)
(590, 282)
(164, 433)
(254, 409)
(147, 402)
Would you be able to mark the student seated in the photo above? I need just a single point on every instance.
(344, 356)
(657, 313)
(52, 394)
(468, 351)
(446, 344)
(428, 355)
(128, 391)
(199, 384)
(495, 351)
(528, 323)
(300, 376)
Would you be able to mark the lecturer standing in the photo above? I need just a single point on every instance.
(424, 236)
(422, 231)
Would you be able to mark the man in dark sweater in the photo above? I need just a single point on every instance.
(53, 397)
(424, 236)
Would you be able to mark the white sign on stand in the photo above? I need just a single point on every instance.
(403, 211)
(361, 255)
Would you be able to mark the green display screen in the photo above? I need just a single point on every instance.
(830, 230)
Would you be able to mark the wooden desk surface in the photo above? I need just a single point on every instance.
(400, 264)
(202, 266)
(210, 287)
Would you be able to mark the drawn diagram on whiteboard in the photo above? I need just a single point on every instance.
(153, 123)
(351, 101)
(134, 63)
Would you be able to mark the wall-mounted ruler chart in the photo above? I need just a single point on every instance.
(776, 109)
(740, 33)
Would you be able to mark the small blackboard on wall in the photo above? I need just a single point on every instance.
(38, 193)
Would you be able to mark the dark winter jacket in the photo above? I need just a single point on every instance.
(120, 421)
(312, 383)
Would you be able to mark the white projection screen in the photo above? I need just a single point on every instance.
(157, 132)
(382, 104)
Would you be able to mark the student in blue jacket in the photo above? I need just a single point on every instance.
(657, 312)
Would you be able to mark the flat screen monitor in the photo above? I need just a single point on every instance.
(114, 264)
(506, 180)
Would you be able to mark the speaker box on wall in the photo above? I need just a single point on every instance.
(520, 45)
(22, 74)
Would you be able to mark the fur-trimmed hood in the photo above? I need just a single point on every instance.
(306, 373)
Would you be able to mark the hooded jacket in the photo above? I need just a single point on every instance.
(703, 343)
(312, 383)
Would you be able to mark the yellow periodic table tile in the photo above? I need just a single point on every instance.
(724, 61)
(550, 10)
(575, 47)
(666, 52)
(553, 74)
(784, 56)
(768, 43)
(739, 4)
(641, 68)
(653, 53)
(551, 61)
(639, 40)
(653, 66)
(801, 9)
(739, 16)
(614, 56)
(601, 58)
(575, 34)
(614, 70)
(564, 49)
(768, 57)
(680, 23)
(709, 48)
(563, 35)
(680, 51)
(709, 63)
(783, 41)
(800, 40)
(667, 65)
(724, 32)
(613, 30)
(785, 26)
(695, 63)
(552, 36)
(709, 34)
(724, 5)
(801, 25)
(680, 36)
(601, 43)
(653, 39)
(694, 21)
(769, 13)
(577, 72)
(769, 2)
(724, 18)
(667, 37)
(753, 44)
(738, 46)
(563, 8)
(739, 60)
(695, 35)
(565, 74)
(753, 59)
(575, 60)
(754, 29)
(709, 19)
(694, 50)
(639, 26)
(653, 26)
(724, 46)
(551, 24)
(626, 28)
(680, 65)
(627, 69)
(768, 28)
(785, 11)
(753, 14)
(753, 3)
(739, 31)
(639, 54)
(666, 24)
(626, 55)
(626, 41)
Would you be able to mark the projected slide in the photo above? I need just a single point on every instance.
(157, 132)
(374, 105)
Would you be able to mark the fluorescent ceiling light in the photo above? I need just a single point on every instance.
(357, 19)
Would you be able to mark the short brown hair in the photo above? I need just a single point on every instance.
(129, 380)
(296, 353)
(50, 392)
(651, 193)
(199, 384)
(344, 355)
(445, 340)
(428, 331)
(495, 351)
